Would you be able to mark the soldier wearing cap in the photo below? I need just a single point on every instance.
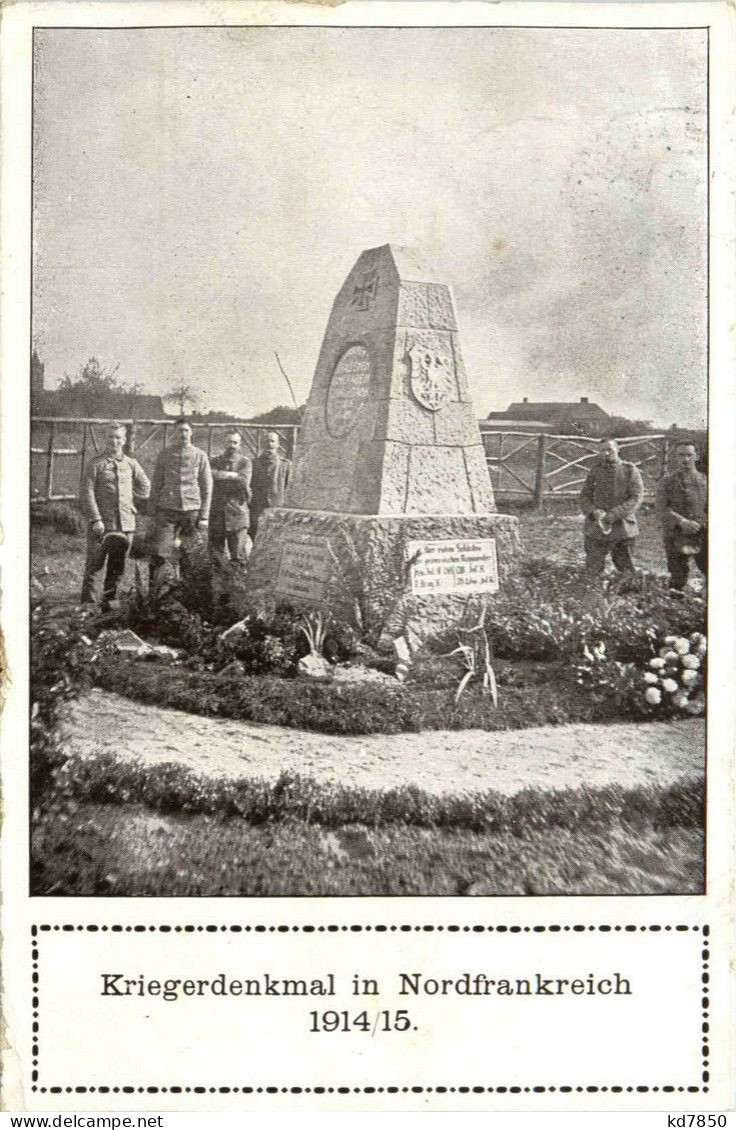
(612, 494)
(111, 484)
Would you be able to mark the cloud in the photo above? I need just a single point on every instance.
(201, 194)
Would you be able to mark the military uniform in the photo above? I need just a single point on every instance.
(181, 493)
(270, 479)
(683, 496)
(109, 489)
(229, 514)
(618, 490)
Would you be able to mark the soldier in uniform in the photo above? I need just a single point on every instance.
(229, 516)
(610, 498)
(112, 483)
(682, 502)
(270, 479)
(181, 493)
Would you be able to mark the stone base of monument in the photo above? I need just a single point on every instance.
(418, 575)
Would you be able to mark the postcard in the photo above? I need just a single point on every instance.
(367, 615)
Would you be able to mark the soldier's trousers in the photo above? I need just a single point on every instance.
(678, 562)
(105, 552)
(238, 542)
(598, 549)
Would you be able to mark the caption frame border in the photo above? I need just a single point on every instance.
(704, 1038)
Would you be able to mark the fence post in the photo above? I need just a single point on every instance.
(665, 454)
(500, 459)
(130, 441)
(540, 482)
(84, 456)
(209, 441)
(50, 461)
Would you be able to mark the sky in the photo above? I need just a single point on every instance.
(201, 194)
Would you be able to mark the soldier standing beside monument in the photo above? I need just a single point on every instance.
(229, 515)
(610, 498)
(270, 479)
(112, 482)
(682, 501)
(181, 494)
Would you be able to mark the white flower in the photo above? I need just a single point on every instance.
(669, 640)
(691, 662)
(697, 637)
(681, 700)
(681, 645)
(653, 695)
(696, 705)
(671, 657)
(670, 686)
(688, 678)
(650, 677)
(656, 663)
(701, 648)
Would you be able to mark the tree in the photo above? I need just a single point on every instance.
(93, 389)
(282, 414)
(183, 396)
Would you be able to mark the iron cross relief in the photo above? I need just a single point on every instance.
(363, 294)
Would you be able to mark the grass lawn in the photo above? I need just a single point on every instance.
(57, 559)
(558, 534)
(116, 828)
(95, 849)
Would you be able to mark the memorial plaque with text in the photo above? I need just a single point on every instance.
(453, 566)
(348, 390)
(304, 570)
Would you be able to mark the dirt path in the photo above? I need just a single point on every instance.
(438, 761)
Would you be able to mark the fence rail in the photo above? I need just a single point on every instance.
(540, 466)
(61, 447)
(522, 465)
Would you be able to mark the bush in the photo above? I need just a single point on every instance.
(60, 657)
(173, 788)
(613, 683)
(550, 613)
(164, 617)
(673, 684)
(270, 640)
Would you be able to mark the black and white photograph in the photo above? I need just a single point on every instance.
(369, 387)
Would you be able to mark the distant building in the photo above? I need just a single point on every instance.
(542, 415)
(114, 405)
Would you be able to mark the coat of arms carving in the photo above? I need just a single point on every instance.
(431, 376)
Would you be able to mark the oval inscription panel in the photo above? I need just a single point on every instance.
(348, 390)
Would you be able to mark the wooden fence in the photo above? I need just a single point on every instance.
(62, 446)
(544, 467)
(523, 465)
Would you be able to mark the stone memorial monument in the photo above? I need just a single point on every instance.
(389, 517)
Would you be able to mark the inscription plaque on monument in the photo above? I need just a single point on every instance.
(304, 569)
(452, 566)
(348, 390)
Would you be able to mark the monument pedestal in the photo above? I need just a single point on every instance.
(383, 573)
